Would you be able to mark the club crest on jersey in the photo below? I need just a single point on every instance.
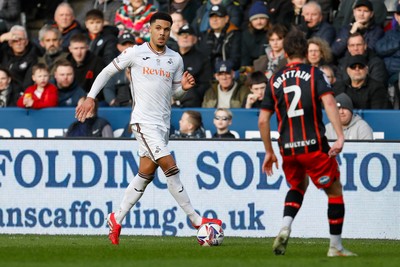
(157, 72)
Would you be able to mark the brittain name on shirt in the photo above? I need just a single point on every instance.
(291, 74)
(158, 72)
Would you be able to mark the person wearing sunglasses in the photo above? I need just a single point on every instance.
(222, 121)
(365, 92)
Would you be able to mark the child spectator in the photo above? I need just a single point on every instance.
(42, 94)
(190, 126)
(103, 39)
(257, 84)
(222, 121)
(91, 127)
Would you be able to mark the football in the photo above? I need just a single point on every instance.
(210, 234)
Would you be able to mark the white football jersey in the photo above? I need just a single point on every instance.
(154, 78)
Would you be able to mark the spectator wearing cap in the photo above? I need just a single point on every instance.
(254, 38)
(201, 21)
(388, 47)
(117, 92)
(344, 15)
(225, 92)
(197, 64)
(363, 23)
(365, 92)
(103, 38)
(356, 45)
(313, 24)
(222, 41)
(354, 127)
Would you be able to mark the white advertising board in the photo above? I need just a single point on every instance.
(56, 186)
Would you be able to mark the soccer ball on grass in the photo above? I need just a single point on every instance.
(210, 234)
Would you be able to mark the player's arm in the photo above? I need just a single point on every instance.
(333, 115)
(265, 132)
(86, 109)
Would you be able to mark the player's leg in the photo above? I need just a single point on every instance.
(336, 212)
(177, 190)
(325, 174)
(297, 178)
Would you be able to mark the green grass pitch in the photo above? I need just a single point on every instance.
(87, 251)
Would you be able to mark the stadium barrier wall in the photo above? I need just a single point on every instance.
(53, 122)
(61, 186)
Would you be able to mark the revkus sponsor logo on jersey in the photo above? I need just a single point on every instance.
(158, 72)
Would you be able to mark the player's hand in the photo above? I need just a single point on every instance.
(336, 148)
(269, 160)
(187, 81)
(85, 110)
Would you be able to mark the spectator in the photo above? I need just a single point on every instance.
(344, 15)
(109, 8)
(117, 91)
(318, 52)
(18, 54)
(64, 20)
(274, 59)
(357, 46)
(364, 23)
(197, 64)
(10, 90)
(91, 127)
(354, 127)
(201, 23)
(177, 22)
(69, 92)
(222, 41)
(254, 38)
(190, 126)
(365, 92)
(103, 38)
(50, 40)
(134, 16)
(282, 12)
(388, 47)
(329, 73)
(86, 65)
(314, 26)
(257, 83)
(222, 121)
(10, 11)
(226, 92)
(187, 8)
(42, 94)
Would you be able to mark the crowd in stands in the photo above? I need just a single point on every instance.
(231, 47)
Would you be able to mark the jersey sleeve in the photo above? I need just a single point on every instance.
(268, 101)
(323, 85)
(125, 59)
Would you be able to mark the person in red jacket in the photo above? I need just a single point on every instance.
(42, 94)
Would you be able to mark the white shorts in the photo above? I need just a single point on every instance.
(153, 140)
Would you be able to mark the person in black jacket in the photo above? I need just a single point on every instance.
(10, 90)
(86, 65)
(103, 38)
(197, 64)
(222, 41)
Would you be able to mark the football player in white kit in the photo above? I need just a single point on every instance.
(157, 75)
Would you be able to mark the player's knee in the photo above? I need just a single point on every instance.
(171, 171)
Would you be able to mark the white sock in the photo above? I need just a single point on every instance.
(336, 242)
(132, 194)
(177, 190)
(287, 222)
